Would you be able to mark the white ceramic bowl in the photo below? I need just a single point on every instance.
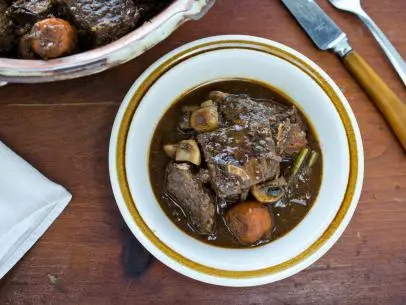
(225, 57)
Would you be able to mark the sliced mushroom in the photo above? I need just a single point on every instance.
(205, 119)
(207, 103)
(270, 191)
(170, 150)
(188, 151)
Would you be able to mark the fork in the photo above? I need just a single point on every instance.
(354, 6)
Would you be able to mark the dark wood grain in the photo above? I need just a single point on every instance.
(63, 129)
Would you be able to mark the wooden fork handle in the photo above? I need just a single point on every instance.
(392, 108)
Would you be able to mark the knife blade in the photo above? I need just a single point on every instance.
(328, 36)
(319, 26)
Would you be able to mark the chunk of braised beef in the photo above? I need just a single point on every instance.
(203, 175)
(239, 157)
(27, 12)
(196, 200)
(288, 130)
(241, 109)
(7, 34)
(289, 138)
(99, 22)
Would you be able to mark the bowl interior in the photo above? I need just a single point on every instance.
(268, 69)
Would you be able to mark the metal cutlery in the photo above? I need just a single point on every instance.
(328, 36)
(354, 6)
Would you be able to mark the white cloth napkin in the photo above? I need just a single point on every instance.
(29, 203)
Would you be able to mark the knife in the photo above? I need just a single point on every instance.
(328, 36)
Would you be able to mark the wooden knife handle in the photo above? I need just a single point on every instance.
(393, 109)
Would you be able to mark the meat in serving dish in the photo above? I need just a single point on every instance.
(31, 29)
(237, 167)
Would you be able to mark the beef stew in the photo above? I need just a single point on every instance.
(235, 163)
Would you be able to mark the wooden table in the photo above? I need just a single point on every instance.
(63, 129)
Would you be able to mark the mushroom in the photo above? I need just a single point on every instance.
(249, 222)
(207, 103)
(188, 151)
(205, 119)
(270, 191)
(170, 150)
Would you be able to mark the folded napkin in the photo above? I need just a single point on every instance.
(29, 203)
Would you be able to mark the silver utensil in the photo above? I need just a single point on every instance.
(354, 6)
(328, 36)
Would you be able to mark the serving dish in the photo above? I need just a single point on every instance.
(108, 56)
(230, 57)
